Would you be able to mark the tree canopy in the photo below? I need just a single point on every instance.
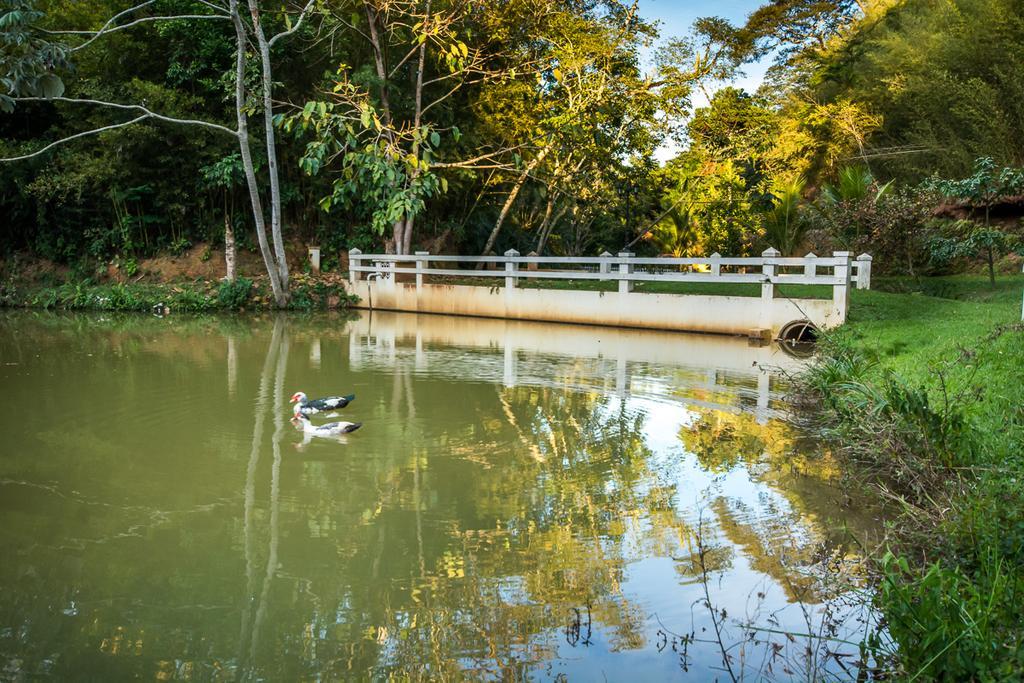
(479, 127)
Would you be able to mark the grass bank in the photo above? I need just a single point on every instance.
(923, 391)
(323, 292)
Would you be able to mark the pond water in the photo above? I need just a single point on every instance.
(523, 501)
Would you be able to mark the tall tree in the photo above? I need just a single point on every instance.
(32, 73)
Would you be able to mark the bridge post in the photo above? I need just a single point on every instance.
(420, 261)
(864, 271)
(532, 265)
(354, 262)
(605, 267)
(625, 286)
(841, 290)
(767, 293)
(811, 265)
(716, 266)
(511, 268)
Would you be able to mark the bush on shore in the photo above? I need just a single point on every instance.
(938, 430)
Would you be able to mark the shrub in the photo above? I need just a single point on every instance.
(234, 294)
(893, 225)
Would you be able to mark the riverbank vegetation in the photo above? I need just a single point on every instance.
(533, 125)
(923, 390)
(26, 286)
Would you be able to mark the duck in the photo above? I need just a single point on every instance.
(308, 407)
(329, 429)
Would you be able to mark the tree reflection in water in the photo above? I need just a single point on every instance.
(506, 512)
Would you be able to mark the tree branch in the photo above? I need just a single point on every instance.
(469, 162)
(109, 27)
(136, 107)
(214, 6)
(302, 17)
(95, 131)
(141, 20)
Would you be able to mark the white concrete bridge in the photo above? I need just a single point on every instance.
(411, 283)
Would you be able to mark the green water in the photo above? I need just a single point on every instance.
(523, 501)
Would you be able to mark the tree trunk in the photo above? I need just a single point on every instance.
(991, 268)
(268, 124)
(512, 198)
(548, 209)
(280, 296)
(407, 244)
(378, 59)
(551, 226)
(229, 248)
(542, 242)
(416, 123)
(398, 228)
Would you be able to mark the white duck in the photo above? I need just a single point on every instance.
(329, 429)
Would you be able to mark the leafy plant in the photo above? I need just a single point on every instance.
(234, 294)
(27, 62)
(855, 184)
(985, 186)
(785, 226)
(971, 240)
(949, 624)
(373, 169)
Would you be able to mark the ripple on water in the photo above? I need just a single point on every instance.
(523, 500)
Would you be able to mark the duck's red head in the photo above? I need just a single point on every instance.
(297, 396)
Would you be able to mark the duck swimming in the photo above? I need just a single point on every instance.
(305, 406)
(329, 429)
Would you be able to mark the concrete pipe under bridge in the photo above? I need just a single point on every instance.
(798, 337)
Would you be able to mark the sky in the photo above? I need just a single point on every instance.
(675, 18)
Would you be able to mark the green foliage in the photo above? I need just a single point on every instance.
(706, 212)
(952, 625)
(192, 297)
(986, 185)
(179, 246)
(893, 224)
(921, 392)
(966, 239)
(856, 183)
(27, 62)
(311, 294)
(785, 225)
(234, 294)
(675, 235)
(940, 74)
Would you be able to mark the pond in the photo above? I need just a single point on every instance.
(523, 501)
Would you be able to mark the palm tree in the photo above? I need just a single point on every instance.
(785, 226)
(676, 233)
(855, 183)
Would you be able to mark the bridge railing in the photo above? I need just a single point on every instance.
(839, 270)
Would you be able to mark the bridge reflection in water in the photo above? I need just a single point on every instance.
(524, 501)
(714, 372)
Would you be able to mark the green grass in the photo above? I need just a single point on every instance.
(923, 390)
(705, 288)
(907, 329)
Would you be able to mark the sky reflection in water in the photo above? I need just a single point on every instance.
(523, 500)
